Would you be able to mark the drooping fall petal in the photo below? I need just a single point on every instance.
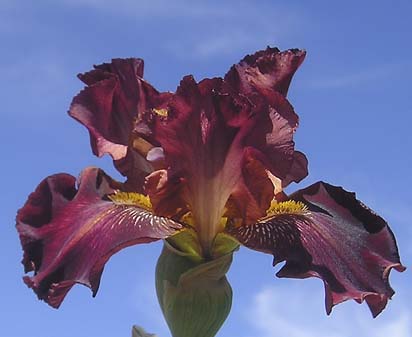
(68, 233)
(114, 96)
(326, 232)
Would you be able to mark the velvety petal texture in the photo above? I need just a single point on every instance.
(219, 137)
(266, 71)
(329, 234)
(114, 96)
(267, 74)
(214, 156)
(68, 233)
(216, 143)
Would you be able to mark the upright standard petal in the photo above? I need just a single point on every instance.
(114, 96)
(325, 232)
(216, 144)
(69, 233)
(268, 73)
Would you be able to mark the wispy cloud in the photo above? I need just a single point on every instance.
(292, 313)
(37, 75)
(153, 9)
(243, 27)
(209, 28)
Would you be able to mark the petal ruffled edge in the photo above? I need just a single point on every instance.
(68, 233)
(114, 96)
(325, 232)
(266, 71)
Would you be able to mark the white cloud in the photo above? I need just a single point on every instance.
(295, 312)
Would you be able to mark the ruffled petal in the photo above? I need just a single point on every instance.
(271, 140)
(166, 194)
(211, 136)
(201, 138)
(298, 171)
(266, 71)
(267, 74)
(326, 232)
(68, 233)
(253, 192)
(114, 96)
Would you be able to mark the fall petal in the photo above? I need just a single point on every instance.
(328, 233)
(68, 233)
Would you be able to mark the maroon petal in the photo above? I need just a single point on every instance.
(69, 233)
(298, 171)
(210, 135)
(253, 192)
(166, 194)
(114, 96)
(266, 71)
(268, 74)
(334, 237)
(271, 141)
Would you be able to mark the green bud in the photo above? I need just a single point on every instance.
(195, 296)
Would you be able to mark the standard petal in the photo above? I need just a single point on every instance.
(326, 232)
(166, 194)
(266, 71)
(69, 233)
(209, 136)
(298, 171)
(253, 192)
(267, 74)
(114, 96)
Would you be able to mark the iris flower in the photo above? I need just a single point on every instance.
(205, 169)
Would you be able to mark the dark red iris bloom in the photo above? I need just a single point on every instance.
(211, 159)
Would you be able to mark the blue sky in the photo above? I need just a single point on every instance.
(353, 95)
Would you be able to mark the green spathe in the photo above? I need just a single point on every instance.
(195, 297)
